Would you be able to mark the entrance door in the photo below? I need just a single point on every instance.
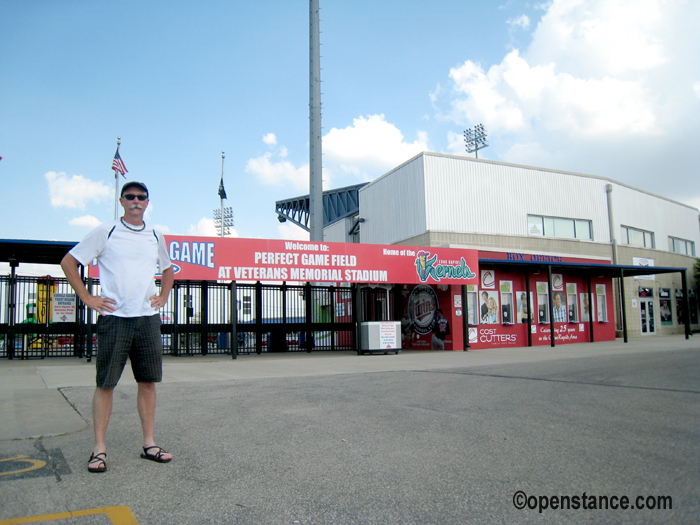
(646, 307)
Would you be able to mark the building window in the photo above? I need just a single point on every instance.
(558, 227)
(635, 237)
(676, 245)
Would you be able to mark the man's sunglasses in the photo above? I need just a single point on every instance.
(131, 197)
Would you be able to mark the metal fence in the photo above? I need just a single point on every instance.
(200, 317)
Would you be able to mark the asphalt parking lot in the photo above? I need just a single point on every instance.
(414, 438)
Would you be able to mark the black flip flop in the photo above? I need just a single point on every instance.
(157, 457)
(96, 457)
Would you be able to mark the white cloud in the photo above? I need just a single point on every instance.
(87, 221)
(270, 139)
(530, 154)
(366, 149)
(514, 95)
(602, 37)
(522, 21)
(206, 228)
(289, 231)
(455, 143)
(75, 191)
(370, 146)
(273, 173)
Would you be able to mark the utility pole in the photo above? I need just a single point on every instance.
(315, 159)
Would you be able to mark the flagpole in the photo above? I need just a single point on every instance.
(223, 229)
(116, 183)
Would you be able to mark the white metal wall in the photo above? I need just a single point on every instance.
(665, 218)
(336, 232)
(466, 195)
(393, 206)
(435, 192)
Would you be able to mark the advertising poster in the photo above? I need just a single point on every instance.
(557, 282)
(559, 310)
(488, 279)
(420, 316)
(486, 336)
(488, 305)
(680, 310)
(665, 311)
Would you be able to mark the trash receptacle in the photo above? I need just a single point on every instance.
(380, 337)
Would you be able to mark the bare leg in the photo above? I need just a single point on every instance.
(101, 411)
(147, 412)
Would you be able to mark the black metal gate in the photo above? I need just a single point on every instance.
(209, 317)
(27, 328)
(201, 317)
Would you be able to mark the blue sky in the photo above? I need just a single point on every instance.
(609, 88)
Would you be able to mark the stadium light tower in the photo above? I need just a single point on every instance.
(475, 139)
(223, 217)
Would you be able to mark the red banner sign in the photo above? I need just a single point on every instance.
(232, 259)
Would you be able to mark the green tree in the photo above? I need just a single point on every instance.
(696, 274)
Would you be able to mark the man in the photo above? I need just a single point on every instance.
(129, 254)
(441, 331)
(560, 315)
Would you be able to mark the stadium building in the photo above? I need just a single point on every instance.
(558, 252)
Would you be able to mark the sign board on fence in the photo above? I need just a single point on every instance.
(226, 259)
(63, 308)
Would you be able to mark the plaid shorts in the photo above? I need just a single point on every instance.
(137, 338)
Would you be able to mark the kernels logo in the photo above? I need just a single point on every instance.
(426, 267)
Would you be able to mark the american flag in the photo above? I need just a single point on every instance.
(118, 164)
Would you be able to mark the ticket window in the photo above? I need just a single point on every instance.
(586, 310)
(600, 293)
(542, 303)
(473, 303)
(572, 306)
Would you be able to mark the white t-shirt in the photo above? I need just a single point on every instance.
(128, 262)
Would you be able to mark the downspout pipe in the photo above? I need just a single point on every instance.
(611, 222)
